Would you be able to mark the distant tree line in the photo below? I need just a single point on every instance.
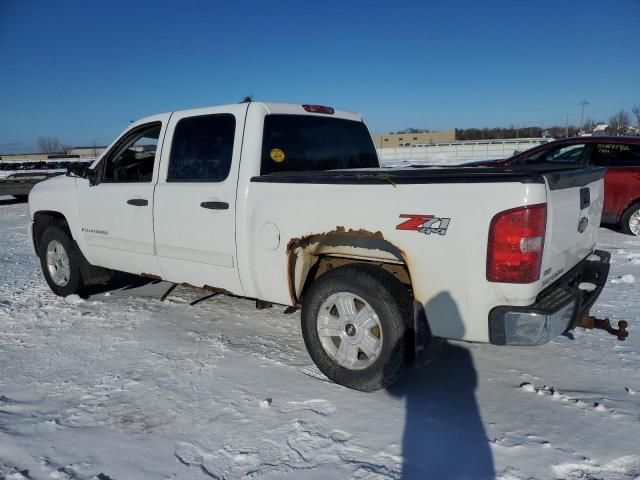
(410, 130)
(50, 145)
(508, 132)
(620, 123)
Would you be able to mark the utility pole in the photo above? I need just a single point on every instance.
(566, 127)
(584, 103)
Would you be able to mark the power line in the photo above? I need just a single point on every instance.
(584, 103)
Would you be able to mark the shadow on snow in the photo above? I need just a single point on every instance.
(444, 437)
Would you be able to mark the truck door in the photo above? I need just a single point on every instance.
(195, 198)
(115, 211)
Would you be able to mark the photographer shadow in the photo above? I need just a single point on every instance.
(444, 437)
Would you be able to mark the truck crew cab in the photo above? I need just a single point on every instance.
(288, 204)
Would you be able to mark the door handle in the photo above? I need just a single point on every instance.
(138, 202)
(215, 205)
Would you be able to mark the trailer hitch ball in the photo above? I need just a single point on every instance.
(588, 321)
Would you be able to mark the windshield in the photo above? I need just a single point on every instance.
(298, 143)
(562, 154)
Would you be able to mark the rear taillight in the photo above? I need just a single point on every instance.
(516, 242)
(318, 109)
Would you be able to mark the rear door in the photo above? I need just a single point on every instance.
(195, 198)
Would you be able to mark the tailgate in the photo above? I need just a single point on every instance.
(574, 207)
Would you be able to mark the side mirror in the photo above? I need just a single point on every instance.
(82, 170)
(91, 175)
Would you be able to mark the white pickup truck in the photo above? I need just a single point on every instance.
(287, 204)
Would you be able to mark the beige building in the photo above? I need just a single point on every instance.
(24, 157)
(70, 154)
(85, 152)
(396, 140)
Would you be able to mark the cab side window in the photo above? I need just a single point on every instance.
(616, 155)
(133, 158)
(202, 148)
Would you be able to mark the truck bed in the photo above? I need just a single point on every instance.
(557, 177)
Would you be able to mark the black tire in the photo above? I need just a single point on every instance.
(75, 283)
(626, 216)
(391, 302)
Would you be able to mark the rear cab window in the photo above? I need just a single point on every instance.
(300, 143)
(615, 155)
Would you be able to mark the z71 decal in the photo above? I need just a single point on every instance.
(426, 224)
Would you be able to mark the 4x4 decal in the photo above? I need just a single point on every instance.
(426, 224)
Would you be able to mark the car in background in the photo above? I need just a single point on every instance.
(619, 155)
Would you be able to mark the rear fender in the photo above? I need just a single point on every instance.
(305, 255)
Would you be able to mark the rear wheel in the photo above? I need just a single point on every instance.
(630, 222)
(60, 262)
(356, 324)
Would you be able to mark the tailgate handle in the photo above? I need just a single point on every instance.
(215, 205)
(585, 198)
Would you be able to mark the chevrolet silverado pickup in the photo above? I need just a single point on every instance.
(287, 204)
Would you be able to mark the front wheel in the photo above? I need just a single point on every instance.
(60, 262)
(630, 222)
(357, 326)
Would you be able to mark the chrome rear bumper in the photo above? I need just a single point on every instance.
(556, 309)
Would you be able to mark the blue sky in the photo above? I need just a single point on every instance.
(80, 70)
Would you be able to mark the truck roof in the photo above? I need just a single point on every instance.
(269, 108)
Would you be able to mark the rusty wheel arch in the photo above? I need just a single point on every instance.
(310, 256)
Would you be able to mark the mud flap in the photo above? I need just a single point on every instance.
(91, 275)
(427, 347)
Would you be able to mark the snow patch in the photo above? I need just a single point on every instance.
(527, 387)
(136, 388)
(628, 278)
(622, 468)
(321, 407)
(73, 299)
(598, 407)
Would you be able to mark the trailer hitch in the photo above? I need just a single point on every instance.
(588, 321)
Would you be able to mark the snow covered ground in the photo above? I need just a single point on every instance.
(122, 386)
(431, 160)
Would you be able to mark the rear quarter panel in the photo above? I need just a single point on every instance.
(448, 271)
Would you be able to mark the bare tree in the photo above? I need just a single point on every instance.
(636, 113)
(49, 145)
(589, 124)
(619, 122)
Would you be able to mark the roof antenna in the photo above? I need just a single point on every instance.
(247, 99)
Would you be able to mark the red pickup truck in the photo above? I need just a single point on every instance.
(619, 155)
